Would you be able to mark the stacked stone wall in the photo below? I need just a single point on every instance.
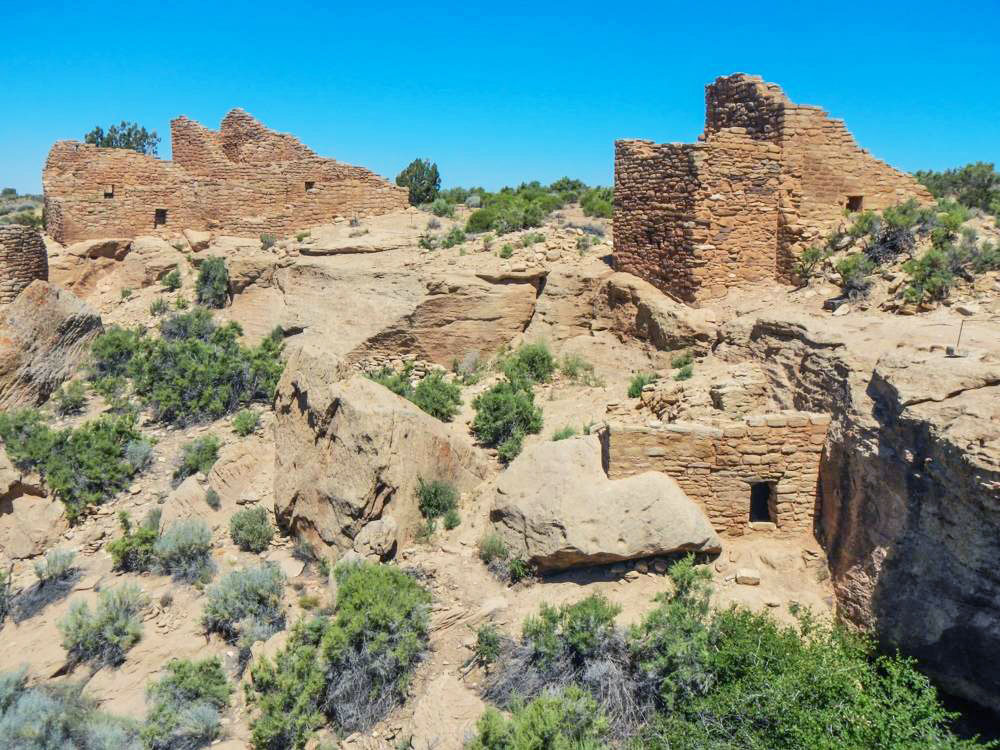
(717, 464)
(767, 178)
(243, 180)
(23, 259)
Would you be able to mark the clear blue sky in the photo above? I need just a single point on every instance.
(497, 93)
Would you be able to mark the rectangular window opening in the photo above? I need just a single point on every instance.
(762, 502)
(159, 217)
(855, 203)
(310, 185)
(109, 191)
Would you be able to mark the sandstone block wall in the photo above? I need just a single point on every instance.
(23, 258)
(243, 179)
(766, 178)
(717, 465)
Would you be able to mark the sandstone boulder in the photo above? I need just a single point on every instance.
(148, 261)
(640, 310)
(44, 335)
(348, 452)
(556, 507)
(197, 240)
(29, 521)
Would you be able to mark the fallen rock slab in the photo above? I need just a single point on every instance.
(557, 509)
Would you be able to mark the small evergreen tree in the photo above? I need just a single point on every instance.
(421, 178)
(126, 135)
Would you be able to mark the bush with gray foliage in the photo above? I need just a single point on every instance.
(104, 635)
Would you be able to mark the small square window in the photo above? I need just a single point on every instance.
(310, 185)
(855, 203)
(160, 217)
(109, 191)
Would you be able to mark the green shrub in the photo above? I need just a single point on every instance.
(489, 643)
(251, 529)
(436, 498)
(245, 605)
(685, 372)
(564, 433)
(854, 271)
(506, 251)
(598, 202)
(158, 306)
(930, 277)
(974, 185)
(422, 180)
(267, 241)
(185, 705)
(638, 382)
(184, 551)
(212, 499)
(6, 595)
(172, 281)
(106, 634)
(566, 720)
(455, 236)
(437, 396)
(82, 466)
(58, 717)
(351, 669)
(246, 422)
(198, 455)
(55, 566)
(195, 370)
(301, 236)
(133, 552)
(452, 519)
(682, 360)
(428, 241)
(532, 238)
(212, 286)
(308, 602)
(579, 370)
(531, 362)
(181, 303)
(71, 398)
(441, 207)
(398, 383)
(504, 415)
(126, 293)
(493, 548)
(128, 135)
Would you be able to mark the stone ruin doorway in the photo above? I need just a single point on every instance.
(762, 503)
(855, 203)
(159, 218)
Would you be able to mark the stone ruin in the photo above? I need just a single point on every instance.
(767, 178)
(23, 258)
(243, 179)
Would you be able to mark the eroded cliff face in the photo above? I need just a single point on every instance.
(910, 489)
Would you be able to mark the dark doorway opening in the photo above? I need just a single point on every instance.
(160, 217)
(109, 191)
(310, 185)
(855, 203)
(761, 502)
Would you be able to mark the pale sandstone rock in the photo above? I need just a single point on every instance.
(748, 577)
(44, 335)
(115, 248)
(349, 451)
(197, 240)
(149, 260)
(377, 539)
(555, 506)
(30, 522)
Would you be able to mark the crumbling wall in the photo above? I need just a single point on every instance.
(717, 464)
(767, 178)
(23, 259)
(244, 179)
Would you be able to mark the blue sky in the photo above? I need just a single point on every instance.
(497, 93)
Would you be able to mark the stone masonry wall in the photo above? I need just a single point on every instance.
(767, 178)
(717, 464)
(695, 219)
(23, 258)
(243, 179)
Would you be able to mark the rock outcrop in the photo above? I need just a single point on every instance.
(910, 495)
(349, 452)
(639, 310)
(556, 507)
(44, 334)
(29, 520)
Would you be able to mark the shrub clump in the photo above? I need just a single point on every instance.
(504, 415)
(351, 669)
(531, 362)
(567, 720)
(82, 466)
(184, 705)
(245, 605)
(212, 286)
(432, 394)
(437, 499)
(195, 370)
(246, 422)
(134, 550)
(184, 551)
(71, 398)
(638, 382)
(106, 634)
(251, 529)
(421, 179)
(48, 717)
(198, 455)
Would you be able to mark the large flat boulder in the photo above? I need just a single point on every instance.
(44, 335)
(557, 509)
(30, 522)
(349, 451)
